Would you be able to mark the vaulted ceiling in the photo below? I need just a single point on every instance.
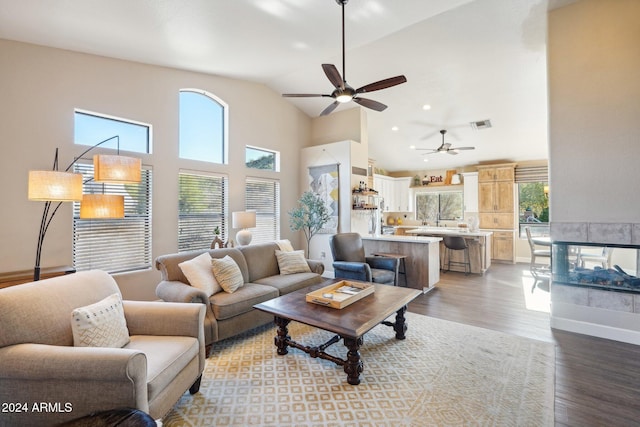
(467, 60)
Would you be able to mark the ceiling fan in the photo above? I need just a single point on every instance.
(445, 147)
(345, 93)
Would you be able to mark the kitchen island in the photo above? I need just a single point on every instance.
(422, 262)
(479, 243)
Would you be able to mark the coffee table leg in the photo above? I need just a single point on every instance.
(282, 336)
(353, 364)
(401, 324)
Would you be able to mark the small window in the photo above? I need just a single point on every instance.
(202, 127)
(533, 200)
(91, 128)
(202, 210)
(439, 206)
(259, 158)
(263, 196)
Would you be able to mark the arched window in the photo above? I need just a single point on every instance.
(203, 127)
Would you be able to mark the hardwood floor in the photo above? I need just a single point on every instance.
(597, 381)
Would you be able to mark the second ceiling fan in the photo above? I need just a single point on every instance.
(343, 92)
(445, 147)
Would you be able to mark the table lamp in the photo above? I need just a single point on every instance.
(244, 220)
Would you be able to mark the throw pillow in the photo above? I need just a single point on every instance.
(200, 275)
(227, 273)
(101, 324)
(292, 262)
(284, 245)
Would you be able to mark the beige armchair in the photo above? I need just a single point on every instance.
(39, 364)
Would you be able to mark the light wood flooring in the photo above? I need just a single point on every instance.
(597, 381)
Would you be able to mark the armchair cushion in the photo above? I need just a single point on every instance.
(199, 272)
(101, 324)
(291, 262)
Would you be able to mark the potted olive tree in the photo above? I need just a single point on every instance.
(310, 215)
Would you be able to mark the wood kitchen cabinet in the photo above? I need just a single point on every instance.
(502, 248)
(496, 207)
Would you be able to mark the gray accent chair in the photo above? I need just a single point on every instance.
(39, 363)
(349, 261)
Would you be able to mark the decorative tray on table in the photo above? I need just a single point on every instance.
(340, 294)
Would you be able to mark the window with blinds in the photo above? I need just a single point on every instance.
(202, 206)
(533, 199)
(263, 196)
(114, 245)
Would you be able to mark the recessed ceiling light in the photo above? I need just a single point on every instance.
(395, 128)
(413, 147)
(426, 107)
(425, 159)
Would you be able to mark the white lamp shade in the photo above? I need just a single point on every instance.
(102, 206)
(119, 169)
(55, 186)
(243, 220)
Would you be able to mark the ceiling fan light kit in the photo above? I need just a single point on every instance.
(344, 93)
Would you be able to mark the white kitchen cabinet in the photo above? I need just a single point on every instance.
(395, 192)
(403, 195)
(470, 185)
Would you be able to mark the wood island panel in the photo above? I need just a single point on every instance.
(422, 263)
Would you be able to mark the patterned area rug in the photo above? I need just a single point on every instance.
(443, 374)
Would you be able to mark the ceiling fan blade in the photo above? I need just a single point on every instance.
(452, 152)
(333, 75)
(330, 108)
(463, 148)
(370, 103)
(445, 147)
(303, 95)
(382, 84)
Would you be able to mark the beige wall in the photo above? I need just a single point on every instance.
(40, 88)
(594, 92)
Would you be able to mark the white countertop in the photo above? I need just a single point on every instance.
(441, 231)
(408, 239)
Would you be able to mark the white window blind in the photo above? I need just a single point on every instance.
(114, 245)
(203, 205)
(263, 196)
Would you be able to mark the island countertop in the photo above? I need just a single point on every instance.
(440, 231)
(400, 238)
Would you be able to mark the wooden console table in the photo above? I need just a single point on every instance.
(13, 278)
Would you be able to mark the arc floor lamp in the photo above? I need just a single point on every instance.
(54, 186)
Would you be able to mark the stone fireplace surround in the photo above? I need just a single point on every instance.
(602, 313)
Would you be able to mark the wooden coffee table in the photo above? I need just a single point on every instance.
(349, 323)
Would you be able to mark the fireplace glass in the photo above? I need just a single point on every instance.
(601, 266)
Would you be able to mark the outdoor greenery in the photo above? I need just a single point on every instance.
(310, 215)
(265, 162)
(533, 202)
(435, 205)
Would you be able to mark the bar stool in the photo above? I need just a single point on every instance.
(456, 243)
(402, 270)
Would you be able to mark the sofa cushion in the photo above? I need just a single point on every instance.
(101, 324)
(225, 305)
(286, 283)
(199, 272)
(166, 357)
(292, 262)
(227, 274)
(261, 260)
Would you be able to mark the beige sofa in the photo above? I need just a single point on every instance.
(229, 314)
(39, 364)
